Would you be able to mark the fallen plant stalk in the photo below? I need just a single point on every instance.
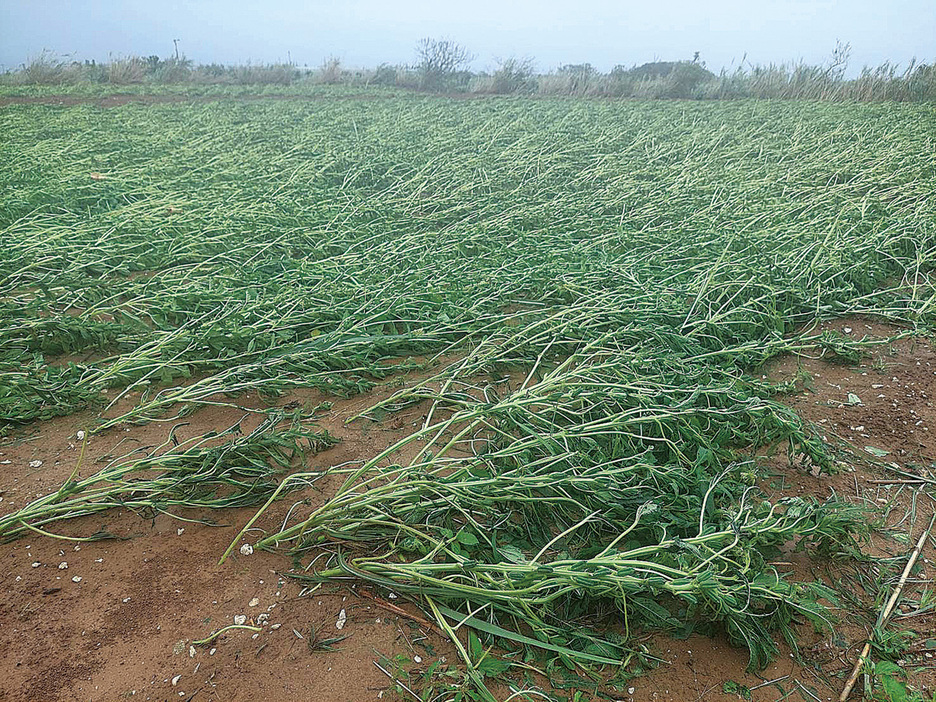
(885, 613)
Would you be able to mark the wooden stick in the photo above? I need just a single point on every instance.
(886, 612)
(400, 611)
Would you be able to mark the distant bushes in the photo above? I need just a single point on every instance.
(442, 67)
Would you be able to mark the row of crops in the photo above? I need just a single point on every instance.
(632, 264)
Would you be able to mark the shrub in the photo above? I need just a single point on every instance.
(46, 69)
(513, 75)
(442, 64)
(330, 73)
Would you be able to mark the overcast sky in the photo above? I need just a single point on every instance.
(369, 32)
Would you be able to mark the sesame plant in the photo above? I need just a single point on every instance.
(608, 278)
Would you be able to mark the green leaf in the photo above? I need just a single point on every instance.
(512, 554)
(492, 667)
(887, 668)
(894, 690)
(474, 646)
(495, 630)
(467, 538)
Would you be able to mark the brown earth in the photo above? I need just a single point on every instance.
(125, 629)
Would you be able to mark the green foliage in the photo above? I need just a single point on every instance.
(890, 684)
(608, 276)
(838, 348)
(730, 687)
(200, 472)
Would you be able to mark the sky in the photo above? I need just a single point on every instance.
(366, 33)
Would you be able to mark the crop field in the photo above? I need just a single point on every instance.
(563, 309)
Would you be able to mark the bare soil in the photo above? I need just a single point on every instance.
(124, 629)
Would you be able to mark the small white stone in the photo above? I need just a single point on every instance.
(254, 602)
(847, 330)
(176, 679)
(211, 652)
(276, 626)
(246, 550)
(80, 435)
(240, 619)
(35, 464)
(342, 619)
(125, 600)
(180, 531)
(63, 566)
(630, 690)
(191, 651)
(36, 564)
(417, 659)
(76, 579)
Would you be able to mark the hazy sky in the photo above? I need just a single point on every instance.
(369, 32)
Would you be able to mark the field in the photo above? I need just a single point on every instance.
(511, 389)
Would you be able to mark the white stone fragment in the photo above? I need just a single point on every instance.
(246, 550)
(342, 619)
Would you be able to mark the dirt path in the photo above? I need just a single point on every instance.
(118, 621)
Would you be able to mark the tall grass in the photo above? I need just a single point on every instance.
(661, 80)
